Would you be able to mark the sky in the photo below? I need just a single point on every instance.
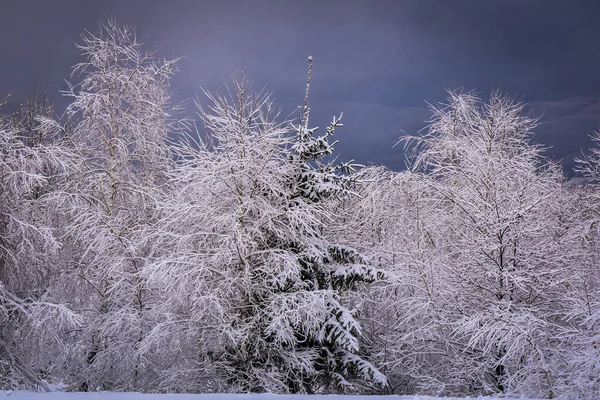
(380, 62)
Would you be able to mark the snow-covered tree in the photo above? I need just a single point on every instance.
(508, 250)
(121, 115)
(394, 221)
(479, 239)
(333, 265)
(33, 164)
(261, 282)
(583, 299)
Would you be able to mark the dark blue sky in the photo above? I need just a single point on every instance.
(377, 61)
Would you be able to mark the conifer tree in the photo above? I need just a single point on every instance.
(331, 266)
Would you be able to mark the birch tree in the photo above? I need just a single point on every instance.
(31, 175)
(394, 221)
(479, 241)
(121, 115)
(582, 300)
(509, 250)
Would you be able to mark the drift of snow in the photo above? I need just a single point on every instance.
(26, 395)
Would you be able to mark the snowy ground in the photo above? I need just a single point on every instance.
(23, 395)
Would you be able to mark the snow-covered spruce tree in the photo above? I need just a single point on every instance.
(121, 115)
(33, 165)
(508, 248)
(331, 265)
(251, 280)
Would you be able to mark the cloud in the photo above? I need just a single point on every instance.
(370, 131)
(565, 126)
(379, 61)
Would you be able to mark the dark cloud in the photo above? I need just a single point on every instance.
(379, 61)
(565, 127)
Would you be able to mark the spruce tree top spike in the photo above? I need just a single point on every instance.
(304, 117)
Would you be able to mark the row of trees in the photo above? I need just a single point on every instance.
(492, 255)
(173, 264)
(135, 257)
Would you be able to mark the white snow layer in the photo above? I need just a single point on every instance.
(25, 395)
